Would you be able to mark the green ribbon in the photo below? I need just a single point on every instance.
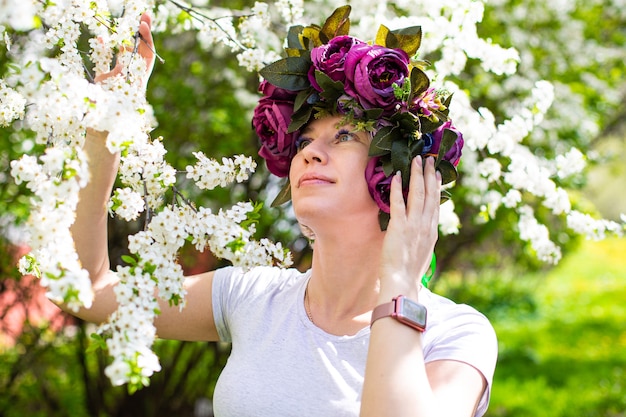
(431, 273)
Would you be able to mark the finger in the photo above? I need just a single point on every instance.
(397, 208)
(146, 42)
(417, 189)
(432, 180)
(117, 69)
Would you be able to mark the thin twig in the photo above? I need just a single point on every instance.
(159, 57)
(148, 210)
(191, 12)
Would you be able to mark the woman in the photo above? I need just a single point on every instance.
(315, 343)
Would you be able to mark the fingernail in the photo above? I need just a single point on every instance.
(398, 176)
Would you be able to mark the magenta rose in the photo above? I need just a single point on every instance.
(371, 71)
(378, 184)
(454, 153)
(271, 119)
(330, 58)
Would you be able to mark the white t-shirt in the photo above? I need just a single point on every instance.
(282, 365)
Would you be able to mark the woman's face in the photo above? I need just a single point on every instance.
(327, 174)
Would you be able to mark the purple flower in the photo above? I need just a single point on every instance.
(378, 184)
(330, 58)
(427, 102)
(371, 71)
(270, 121)
(454, 154)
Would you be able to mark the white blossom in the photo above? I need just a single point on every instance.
(449, 222)
(11, 104)
(538, 236)
(572, 162)
(56, 101)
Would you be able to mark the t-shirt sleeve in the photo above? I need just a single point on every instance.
(465, 335)
(220, 302)
(238, 294)
(227, 290)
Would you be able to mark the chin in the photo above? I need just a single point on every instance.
(332, 212)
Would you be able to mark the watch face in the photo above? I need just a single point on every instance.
(412, 311)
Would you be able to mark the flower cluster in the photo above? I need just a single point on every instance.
(55, 178)
(48, 97)
(376, 87)
(58, 104)
(153, 268)
(11, 104)
(208, 173)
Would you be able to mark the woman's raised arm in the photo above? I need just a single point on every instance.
(89, 231)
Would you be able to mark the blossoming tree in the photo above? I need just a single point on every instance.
(48, 99)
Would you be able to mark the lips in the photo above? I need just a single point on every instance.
(312, 178)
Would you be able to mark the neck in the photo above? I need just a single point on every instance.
(344, 280)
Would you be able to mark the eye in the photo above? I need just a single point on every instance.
(345, 136)
(302, 142)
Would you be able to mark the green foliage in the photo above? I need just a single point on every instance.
(562, 341)
(67, 378)
(562, 338)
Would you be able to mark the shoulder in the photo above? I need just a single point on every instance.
(261, 276)
(445, 315)
(458, 332)
(248, 284)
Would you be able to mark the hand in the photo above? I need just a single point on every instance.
(412, 231)
(144, 48)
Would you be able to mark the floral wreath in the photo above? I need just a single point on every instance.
(377, 87)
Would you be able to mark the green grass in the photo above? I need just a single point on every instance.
(567, 357)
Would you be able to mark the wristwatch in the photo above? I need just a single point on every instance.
(404, 310)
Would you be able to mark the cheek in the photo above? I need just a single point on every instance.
(295, 168)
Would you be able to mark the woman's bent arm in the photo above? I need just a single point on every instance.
(195, 321)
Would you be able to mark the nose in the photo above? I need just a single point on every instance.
(315, 151)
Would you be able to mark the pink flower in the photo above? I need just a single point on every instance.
(330, 58)
(453, 155)
(270, 121)
(427, 102)
(371, 71)
(378, 184)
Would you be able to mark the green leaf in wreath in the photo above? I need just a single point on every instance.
(401, 160)
(294, 40)
(407, 39)
(445, 196)
(381, 143)
(448, 139)
(448, 172)
(338, 24)
(419, 82)
(301, 99)
(383, 220)
(331, 90)
(387, 165)
(300, 118)
(310, 37)
(429, 126)
(290, 73)
(284, 195)
(443, 114)
(372, 114)
(416, 147)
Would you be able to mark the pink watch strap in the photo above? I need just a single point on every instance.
(384, 310)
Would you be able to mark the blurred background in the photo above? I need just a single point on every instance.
(561, 329)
